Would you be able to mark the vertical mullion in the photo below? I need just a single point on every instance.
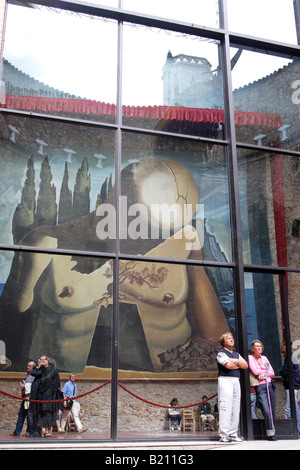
(118, 159)
(297, 18)
(235, 217)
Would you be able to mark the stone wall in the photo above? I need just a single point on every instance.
(133, 414)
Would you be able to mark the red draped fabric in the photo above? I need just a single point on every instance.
(279, 210)
(86, 107)
(279, 217)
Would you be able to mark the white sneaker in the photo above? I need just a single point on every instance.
(225, 439)
(236, 439)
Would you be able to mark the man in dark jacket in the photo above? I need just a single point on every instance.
(33, 407)
(296, 378)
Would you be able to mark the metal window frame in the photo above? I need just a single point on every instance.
(227, 39)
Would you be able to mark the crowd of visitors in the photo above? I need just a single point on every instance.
(47, 405)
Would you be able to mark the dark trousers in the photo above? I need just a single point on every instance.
(21, 419)
(175, 418)
(262, 400)
(33, 418)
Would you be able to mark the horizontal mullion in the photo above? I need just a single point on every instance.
(262, 45)
(56, 251)
(96, 254)
(236, 40)
(128, 129)
(248, 268)
(133, 17)
(141, 130)
(265, 149)
(58, 118)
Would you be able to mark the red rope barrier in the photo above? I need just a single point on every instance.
(164, 406)
(98, 388)
(55, 401)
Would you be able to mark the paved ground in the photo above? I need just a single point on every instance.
(263, 445)
(73, 444)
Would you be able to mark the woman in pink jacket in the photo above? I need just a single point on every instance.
(265, 390)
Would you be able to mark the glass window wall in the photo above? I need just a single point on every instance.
(270, 19)
(50, 67)
(60, 307)
(200, 12)
(268, 195)
(51, 305)
(264, 314)
(172, 316)
(174, 189)
(266, 98)
(55, 178)
(173, 86)
(130, 208)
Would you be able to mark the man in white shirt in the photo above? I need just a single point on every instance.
(229, 392)
(70, 392)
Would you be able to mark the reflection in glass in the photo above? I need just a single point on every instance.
(264, 314)
(53, 177)
(200, 12)
(250, 18)
(168, 76)
(293, 280)
(169, 186)
(50, 303)
(266, 99)
(270, 228)
(108, 3)
(254, 186)
(60, 62)
(172, 316)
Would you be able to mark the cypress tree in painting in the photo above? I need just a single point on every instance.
(65, 199)
(23, 218)
(81, 197)
(46, 213)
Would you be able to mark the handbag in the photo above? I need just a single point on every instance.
(27, 395)
(254, 380)
(69, 404)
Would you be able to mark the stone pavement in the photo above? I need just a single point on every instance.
(182, 446)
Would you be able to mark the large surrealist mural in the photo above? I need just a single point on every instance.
(72, 196)
(57, 193)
